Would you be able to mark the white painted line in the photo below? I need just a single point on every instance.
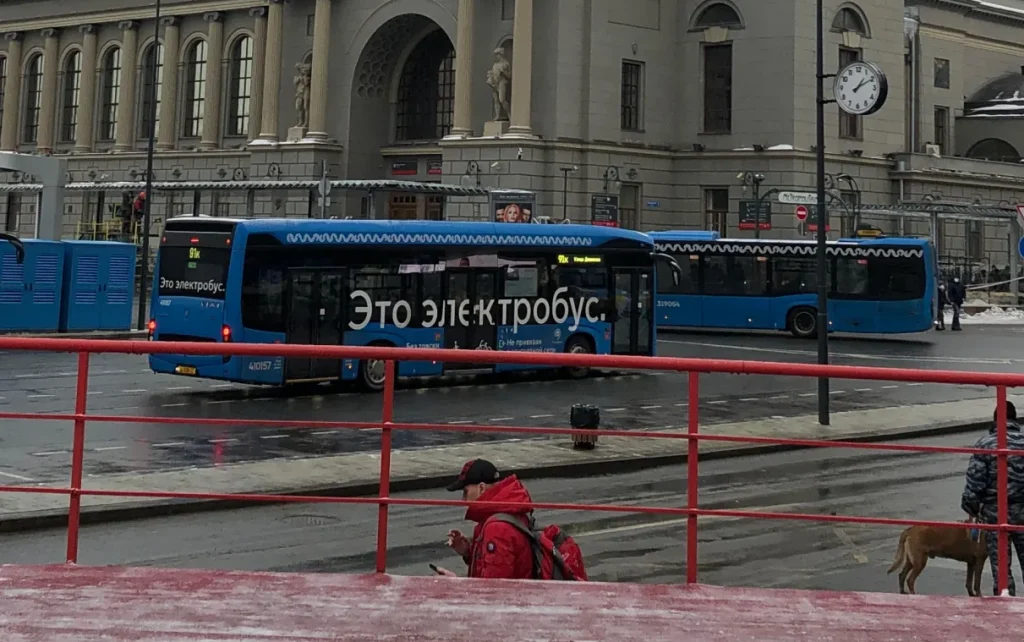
(179, 387)
(750, 399)
(718, 403)
(220, 401)
(808, 394)
(222, 441)
(613, 410)
(41, 396)
(320, 433)
(889, 387)
(18, 477)
(273, 436)
(169, 444)
(497, 419)
(173, 405)
(134, 391)
(779, 397)
(915, 384)
(848, 355)
(681, 405)
(223, 385)
(862, 389)
(546, 416)
(126, 408)
(837, 392)
(95, 392)
(779, 417)
(649, 407)
(103, 449)
(460, 421)
(49, 453)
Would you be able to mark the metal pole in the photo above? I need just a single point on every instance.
(757, 208)
(823, 413)
(565, 193)
(147, 205)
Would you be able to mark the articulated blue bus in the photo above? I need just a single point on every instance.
(876, 285)
(477, 286)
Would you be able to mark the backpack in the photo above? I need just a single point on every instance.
(556, 555)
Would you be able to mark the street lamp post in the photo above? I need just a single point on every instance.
(565, 190)
(147, 204)
(822, 269)
(755, 179)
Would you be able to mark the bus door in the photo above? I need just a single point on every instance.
(634, 316)
(474, 286)
(314, 317)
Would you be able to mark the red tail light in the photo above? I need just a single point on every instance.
(225, 333)
(151, 326)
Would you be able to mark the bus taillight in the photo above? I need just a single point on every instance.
(225, 333)
(151, 326)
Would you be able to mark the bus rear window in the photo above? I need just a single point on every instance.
(193, 271)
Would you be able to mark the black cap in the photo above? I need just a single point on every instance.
(475, 471)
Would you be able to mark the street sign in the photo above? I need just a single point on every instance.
(324, 187)
(798, 198)
(749, 219)
(1020, 247)
(801, 213)
(1020, 216)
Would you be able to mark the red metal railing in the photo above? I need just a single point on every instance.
(387, 425)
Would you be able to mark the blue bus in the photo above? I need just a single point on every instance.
(876, 285)
(477, 286)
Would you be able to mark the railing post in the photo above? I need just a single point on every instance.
(77, 457)
(1002, 484)
(692, 472)
(385, 465)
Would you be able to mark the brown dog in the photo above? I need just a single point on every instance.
(919, 543)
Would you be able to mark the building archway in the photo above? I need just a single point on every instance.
(994, 149)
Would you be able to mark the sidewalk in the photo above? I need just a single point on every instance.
(357, 474)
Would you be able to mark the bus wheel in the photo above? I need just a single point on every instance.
(372, 374)
(803, 323)
(578, 345)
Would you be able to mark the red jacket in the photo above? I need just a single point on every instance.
(498, 550)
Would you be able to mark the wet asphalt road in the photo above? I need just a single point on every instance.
(618, 547)
(123, 385)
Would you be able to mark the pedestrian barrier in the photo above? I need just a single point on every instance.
(387, 425)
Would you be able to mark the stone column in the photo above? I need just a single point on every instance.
(86, 133)
(259, 57)
(522, 69)
(12, 94)
(126, 101)
(462, 125)
(214, 72)
(169, 88)
(48, 105)
(272, 72)
(319, 78)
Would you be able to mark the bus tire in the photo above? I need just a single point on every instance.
(803, 322)
(371, 371)
(578, 344)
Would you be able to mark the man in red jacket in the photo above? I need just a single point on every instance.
(497, 550)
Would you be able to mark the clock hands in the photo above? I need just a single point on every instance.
(862, 83)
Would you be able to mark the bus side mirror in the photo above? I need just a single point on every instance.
(19, 247)
(677, 272)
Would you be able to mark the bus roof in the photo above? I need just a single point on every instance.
(373, 232)
(699, 236)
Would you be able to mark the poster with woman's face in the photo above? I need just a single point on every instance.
(512, 213)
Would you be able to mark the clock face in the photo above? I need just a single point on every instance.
(860, 88)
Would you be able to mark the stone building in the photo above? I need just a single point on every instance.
(663, 103)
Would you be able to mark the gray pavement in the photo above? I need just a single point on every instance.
(123, 385)
(618, 547)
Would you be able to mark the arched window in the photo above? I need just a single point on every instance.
(426, 90)
(72, 79)
(994, 149)
(195, 89)
(241, 87)
(718, 15)
(110, 85)
(3, 84)
(33, 98)
(849, 20)
(151, 84)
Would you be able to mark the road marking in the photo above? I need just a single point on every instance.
(134, 391)
(837, 392)
(649, 407)
(674, 522)
(862, 389)
(95, 392)
(220, 401)
(169, 444)
(847, 355)
(808, 394)
(889, 387)
(179, 387)
(682, 405)
(223, 441)
(915, 384)
(18, 477)
(496, 419)
(750, 399)
(273, 436)
(49, 453)
(718, 403)
(320, 433)
(173, 405)
(544, 416)
(41, 396)
(849, 543)
(223, 385)
(461, 421)
(103, 449)
(779, 417)
(778, 397)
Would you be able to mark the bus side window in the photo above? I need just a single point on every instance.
(262, 296)
(852, 278)
(794, 275)
(735, 275)
(690, 278)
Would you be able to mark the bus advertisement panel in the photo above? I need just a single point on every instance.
(477, 286)
(875, 286)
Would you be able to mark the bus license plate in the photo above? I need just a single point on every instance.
(185, 370)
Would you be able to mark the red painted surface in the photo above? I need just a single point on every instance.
(89, 604)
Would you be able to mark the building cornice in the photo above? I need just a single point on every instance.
(195, 7)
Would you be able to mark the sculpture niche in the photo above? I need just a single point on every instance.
(303, 72)
(499, 78)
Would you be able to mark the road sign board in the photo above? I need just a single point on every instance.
(324, 187)
(1020, 216)
(801, 213)
(798, 198)
(1020, 248)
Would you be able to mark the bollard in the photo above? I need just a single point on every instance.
(584, 417)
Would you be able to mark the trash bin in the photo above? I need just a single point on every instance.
(584, 418)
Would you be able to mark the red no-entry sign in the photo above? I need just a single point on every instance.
(801, 213)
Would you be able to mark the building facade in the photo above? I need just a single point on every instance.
(666, 104)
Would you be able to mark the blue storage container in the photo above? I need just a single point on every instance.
(30, 292)
(99, 286)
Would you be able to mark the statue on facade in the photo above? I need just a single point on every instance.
(302, 82)
(499, 77)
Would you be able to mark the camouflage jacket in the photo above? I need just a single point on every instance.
(980, 497)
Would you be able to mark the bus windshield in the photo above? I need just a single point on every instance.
(194, 271)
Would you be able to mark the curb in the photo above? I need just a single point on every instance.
(111, 335)
(161, 508)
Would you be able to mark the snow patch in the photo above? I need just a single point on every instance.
(991, 316)
(779, 148)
